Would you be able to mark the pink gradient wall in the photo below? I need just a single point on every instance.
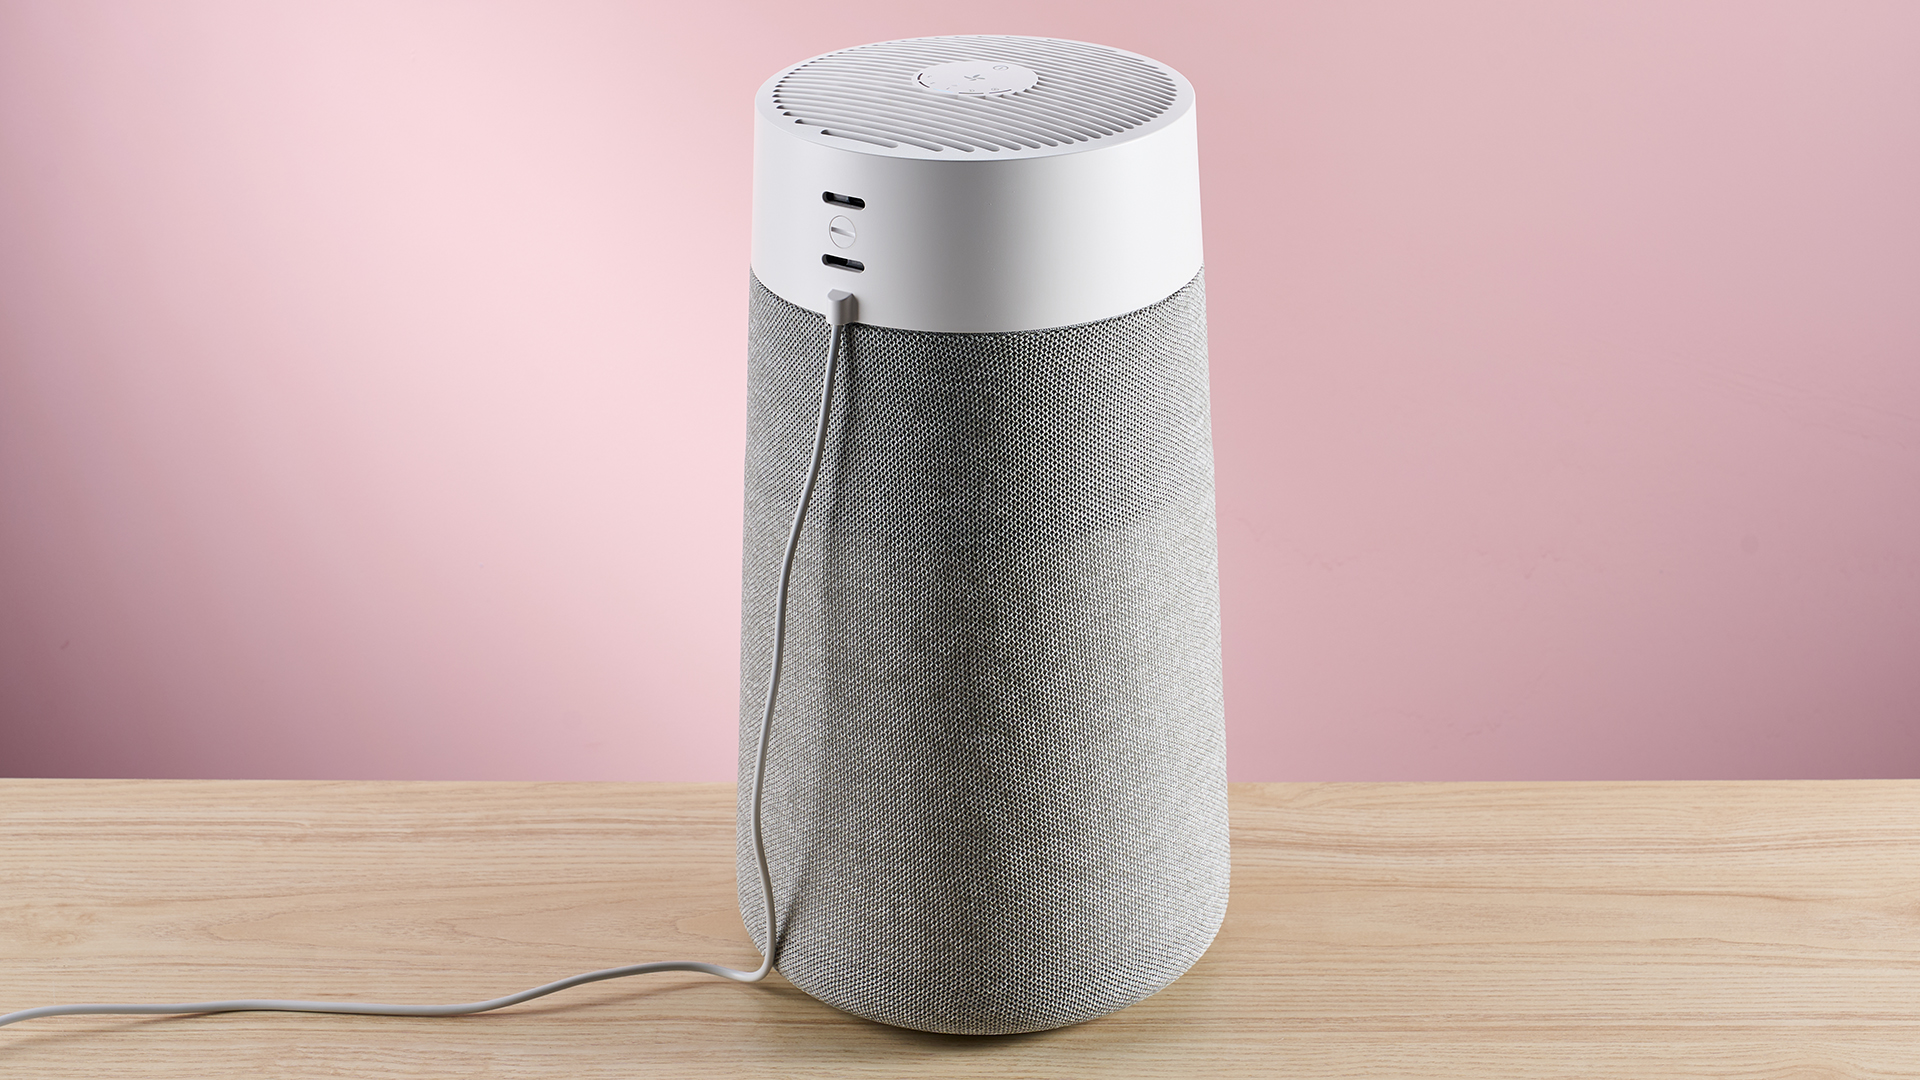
(371, 381)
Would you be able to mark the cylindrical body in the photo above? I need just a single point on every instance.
(995, 796)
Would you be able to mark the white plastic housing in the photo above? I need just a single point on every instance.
(976, 236)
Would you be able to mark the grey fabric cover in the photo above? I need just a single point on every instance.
(996, 795)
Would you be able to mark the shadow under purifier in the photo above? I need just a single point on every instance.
(995, 791)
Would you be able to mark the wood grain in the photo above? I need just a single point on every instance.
(1762, 930)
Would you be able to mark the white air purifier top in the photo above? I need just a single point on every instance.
(977, 183)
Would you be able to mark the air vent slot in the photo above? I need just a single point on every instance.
(869, 94)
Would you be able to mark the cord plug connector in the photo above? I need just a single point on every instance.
(842, 307)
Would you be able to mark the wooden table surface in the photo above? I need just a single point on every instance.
(1753, 929)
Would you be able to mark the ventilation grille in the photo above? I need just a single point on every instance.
(996, 786)
(868, 94)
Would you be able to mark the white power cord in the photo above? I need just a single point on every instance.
(840, 311)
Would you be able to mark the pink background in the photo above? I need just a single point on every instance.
(371, 381)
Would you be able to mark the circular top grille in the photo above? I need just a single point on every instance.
(874, 95)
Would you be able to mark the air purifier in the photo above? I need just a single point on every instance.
(995, 795)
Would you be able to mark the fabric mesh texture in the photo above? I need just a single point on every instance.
(996, 791)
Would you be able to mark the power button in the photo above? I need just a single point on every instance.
(840, 231)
